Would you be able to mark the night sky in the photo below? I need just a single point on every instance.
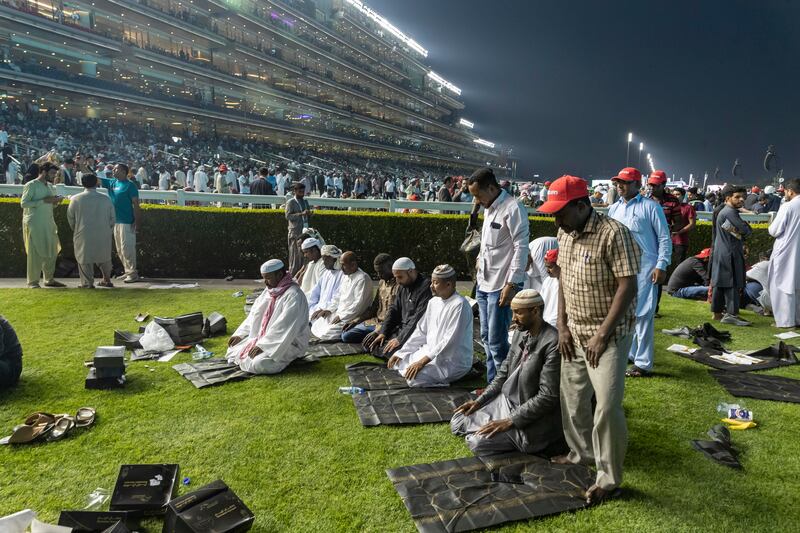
(701, 82)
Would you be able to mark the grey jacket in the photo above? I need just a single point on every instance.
(538, 414)
(727, 256)
(296, 221)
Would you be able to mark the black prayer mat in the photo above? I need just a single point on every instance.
(774, 356)
(335, 349)
(758, 386)
(375, 376)
(409, 406)
(720, 448)
(211, 372)
(480, 492)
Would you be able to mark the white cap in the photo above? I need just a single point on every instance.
(769, 189)
(330, 250)
(443, 272)
(272, 265)
(310, 243)
(404, 263)
(527, 298)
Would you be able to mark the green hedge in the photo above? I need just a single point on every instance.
(188, 242)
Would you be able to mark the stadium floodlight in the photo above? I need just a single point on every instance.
(388, 26)
(467, 123)
(443, 82)
(630, 136)
(484, 143)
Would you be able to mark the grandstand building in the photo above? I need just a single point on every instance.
(332, 75)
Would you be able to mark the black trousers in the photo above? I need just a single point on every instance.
(10, 369)
(725, 299)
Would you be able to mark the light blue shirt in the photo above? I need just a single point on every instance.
(646, 221)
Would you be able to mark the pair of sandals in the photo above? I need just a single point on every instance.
(636, 372)
(48, 427)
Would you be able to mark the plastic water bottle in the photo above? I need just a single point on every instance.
(735, 411)
(351, 390)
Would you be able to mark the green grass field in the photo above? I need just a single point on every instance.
(292, 447)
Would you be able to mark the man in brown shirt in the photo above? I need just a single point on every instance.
(599, 261)
(358, 329)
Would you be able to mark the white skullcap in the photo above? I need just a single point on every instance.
(527, 298)
(330, 250)
(272, 265)
(769, 189)
(309, 243)
(443, 272)
(404, 263)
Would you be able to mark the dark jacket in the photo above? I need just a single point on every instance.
(538, 414)
(691, 272)
(727, 259)
(408, 307)
(10, 355)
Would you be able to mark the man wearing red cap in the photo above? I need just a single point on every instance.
(645, 219)
(690, 279)
(549, 290)
(599, 261)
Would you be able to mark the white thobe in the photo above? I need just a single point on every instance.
(91, 216)
(141, 176)
(190, 178)
(549, 293)
(537, 272)
(443, 334)
(286, 336)
(163, 181)
(280, 185)
(180, 178)
(351, 300)
(200, 181)
(324, 291)
(311, 276)
(11, 173)
(784, 279)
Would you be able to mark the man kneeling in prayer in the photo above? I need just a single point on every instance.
(352, 298)
(328, 283)
(440, 349)
(520, 409)
(275, 333)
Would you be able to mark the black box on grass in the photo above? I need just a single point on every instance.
(92, 521)
(109, 357)
(93, 381)
(115, 372)
(213, 508)
(144, 490)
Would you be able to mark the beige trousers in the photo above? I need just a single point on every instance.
(87, 272)
(603, 439)
(125, 239)
(38, 265)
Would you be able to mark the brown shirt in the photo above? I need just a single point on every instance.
(590, 261)
(376, 314)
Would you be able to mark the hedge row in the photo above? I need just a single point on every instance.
(207, 242)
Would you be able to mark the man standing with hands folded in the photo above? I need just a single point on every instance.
(599, 261)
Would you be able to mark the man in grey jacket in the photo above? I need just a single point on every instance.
(297, 213)
(520, 409)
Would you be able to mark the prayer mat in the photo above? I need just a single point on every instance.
(335, 349)
(409, 406)
(211, 372)
(127, 339)
(774, 356)
(759, 386)
(477, 343)
(705, 336)
(375, 376)
(720, 448)
(480, 492)
(185, 329)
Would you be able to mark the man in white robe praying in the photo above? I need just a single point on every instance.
(328, 284)
(275, 332)
(784, 270)
(314, 268)
(351, 300)
(440, 349)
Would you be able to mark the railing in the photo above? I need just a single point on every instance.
(180, 197)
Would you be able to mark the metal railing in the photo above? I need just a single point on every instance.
(181, 197)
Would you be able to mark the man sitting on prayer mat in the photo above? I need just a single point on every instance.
(358, 329)
(440, 349)
(408, 307)
(351, 300)
(275, 332)
(326, 288)
(550, 285)
(314, 268)
(520, 409)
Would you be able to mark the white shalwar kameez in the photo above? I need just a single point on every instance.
(784, 278)
(444, 334)
(286, 336)
(549, 293)
(324, 291)
(314, 270)
(351, 300)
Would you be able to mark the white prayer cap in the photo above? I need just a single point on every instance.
(769, 189)
(443, 272)
(404, 263)
(527, 298)
(272, 265)
(310, 243)
(330, 250)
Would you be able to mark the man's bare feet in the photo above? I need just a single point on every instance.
(561, 460)
(595, 495)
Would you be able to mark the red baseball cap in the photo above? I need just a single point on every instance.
(657, 177)
(551, 256)
(223, 167)
(628, 174)
(547, 183)
(563, 191)
(756, 189)
(704, 254)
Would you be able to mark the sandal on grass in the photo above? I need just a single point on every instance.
(636, 372)
(35, 426)
(64, 425)
(85, 417)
